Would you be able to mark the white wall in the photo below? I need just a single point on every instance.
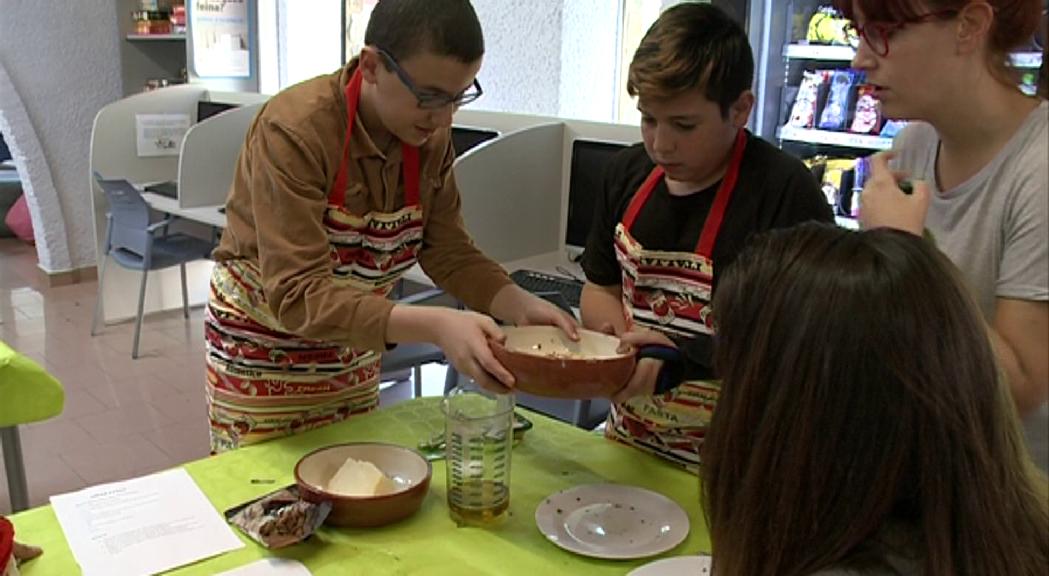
(63, 62)
(589, 50)
(522, 64)
(309, 37)
(550, 57)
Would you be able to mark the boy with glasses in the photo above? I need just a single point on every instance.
(344, 183)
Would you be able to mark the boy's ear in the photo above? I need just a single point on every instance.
(739, 111)
(369, 62)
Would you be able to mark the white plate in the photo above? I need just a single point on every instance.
(676, 566)
(612, 521)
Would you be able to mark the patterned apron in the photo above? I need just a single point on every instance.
(670, 292)
(264, 382)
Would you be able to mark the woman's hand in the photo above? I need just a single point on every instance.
(884, 204)
(646, 371)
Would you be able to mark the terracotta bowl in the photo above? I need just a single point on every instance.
(407, 468)
(545, 362)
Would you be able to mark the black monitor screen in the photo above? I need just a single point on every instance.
(589, 160)
(206, 109)
(465, 138)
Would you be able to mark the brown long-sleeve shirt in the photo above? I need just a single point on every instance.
(279, 194)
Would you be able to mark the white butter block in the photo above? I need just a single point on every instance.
(360, 478)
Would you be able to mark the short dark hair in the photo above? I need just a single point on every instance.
(404, 28)
(691, 46)
(859, 393)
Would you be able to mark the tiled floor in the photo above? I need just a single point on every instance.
(122, 417)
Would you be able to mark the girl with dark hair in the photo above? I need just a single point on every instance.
(862, 426)
(979, 158)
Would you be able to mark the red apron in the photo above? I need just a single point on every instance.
(670, 292)
(264, 382)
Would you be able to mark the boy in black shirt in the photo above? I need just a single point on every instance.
(675, 212)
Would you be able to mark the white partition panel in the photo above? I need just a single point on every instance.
(511, 192)
(209, 157)
(114, 154)
(503, 122)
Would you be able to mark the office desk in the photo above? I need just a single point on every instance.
(209, 215)
(556, 263)
(551, 457)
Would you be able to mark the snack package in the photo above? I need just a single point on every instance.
(817, 165)
(892, 128)
(859, 180)
(836, 111)
(834, 178)
(828, 26)
(803, 113)
(867, 118)
(279, 519)
(843, 199)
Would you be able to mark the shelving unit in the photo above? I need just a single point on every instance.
(1025, 60)
(829, 138)
(819, 52)
(155, 37)
(147, 56)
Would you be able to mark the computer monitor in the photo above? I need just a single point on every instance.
(465, 138)
(206, 109)
(590, 159)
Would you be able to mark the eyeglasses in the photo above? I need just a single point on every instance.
(432, 99)
(877, 34)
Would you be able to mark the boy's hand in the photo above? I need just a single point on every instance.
(521, 308)
(646, 372)
(642, 382)
(884, 204)
(537, 311)
(464, 337)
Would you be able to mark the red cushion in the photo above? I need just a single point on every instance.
(19, 222)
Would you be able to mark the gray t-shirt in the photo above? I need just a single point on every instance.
(995, 226)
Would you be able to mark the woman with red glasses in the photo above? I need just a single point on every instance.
(978, 159)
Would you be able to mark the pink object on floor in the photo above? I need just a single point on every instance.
(19, 222)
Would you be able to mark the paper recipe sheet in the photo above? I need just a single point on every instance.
(143, 525)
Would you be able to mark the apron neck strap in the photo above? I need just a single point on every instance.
(410, 154)
(711, 228)
(707, 239)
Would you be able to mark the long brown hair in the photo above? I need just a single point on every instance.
(860, 393)
(1015, 22)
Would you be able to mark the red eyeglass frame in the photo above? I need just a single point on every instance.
(884, 30)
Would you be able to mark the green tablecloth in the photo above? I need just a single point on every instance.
(552, 456)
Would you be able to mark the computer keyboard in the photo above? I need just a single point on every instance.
(168, 189)
(538, 282)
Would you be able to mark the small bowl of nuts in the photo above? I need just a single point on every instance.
(545, 362)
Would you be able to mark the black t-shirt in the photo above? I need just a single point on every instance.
(774, 190)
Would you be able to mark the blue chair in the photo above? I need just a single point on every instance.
(137, 243)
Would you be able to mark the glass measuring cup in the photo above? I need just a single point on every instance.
(478, 438)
